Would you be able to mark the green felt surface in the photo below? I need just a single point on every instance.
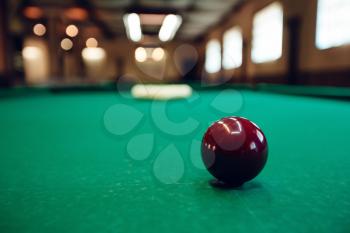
(320, 91)
(62, 170)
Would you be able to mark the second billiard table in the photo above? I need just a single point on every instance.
(101, 161)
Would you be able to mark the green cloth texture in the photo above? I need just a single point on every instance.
(64, 168)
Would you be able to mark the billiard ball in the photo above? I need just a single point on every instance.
(234, 150)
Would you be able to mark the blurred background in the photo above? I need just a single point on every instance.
(52, 42)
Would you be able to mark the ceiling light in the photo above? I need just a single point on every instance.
(169, 27)
(91, 43)
(93, 54)
(72, 30)
(133, 26)
(39, 29)
(140, 54)
(66, 44)
(158, 54)
(31, 52)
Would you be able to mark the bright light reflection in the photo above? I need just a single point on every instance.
(252, 146)
(260, 136)
(227, 128)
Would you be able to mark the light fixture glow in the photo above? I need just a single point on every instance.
(91, 43)
(39, 29)
(33, 12)
(158, 54)
(133, 26)
(31, 52)
(66, 44)
(72, 30)
(93, 54)
(140, 54)
(76, 13)
(169, 27)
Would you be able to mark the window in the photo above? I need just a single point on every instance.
(333, 20)
(268, 34)
(233, 42)
(213, 56)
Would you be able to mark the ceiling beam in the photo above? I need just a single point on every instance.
(91, 9)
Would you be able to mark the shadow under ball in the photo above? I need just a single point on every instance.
(234, 150)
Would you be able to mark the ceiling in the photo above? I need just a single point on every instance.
(198, 15)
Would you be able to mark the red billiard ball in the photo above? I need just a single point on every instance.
(234, 150)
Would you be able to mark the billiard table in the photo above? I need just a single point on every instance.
(98, 160)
